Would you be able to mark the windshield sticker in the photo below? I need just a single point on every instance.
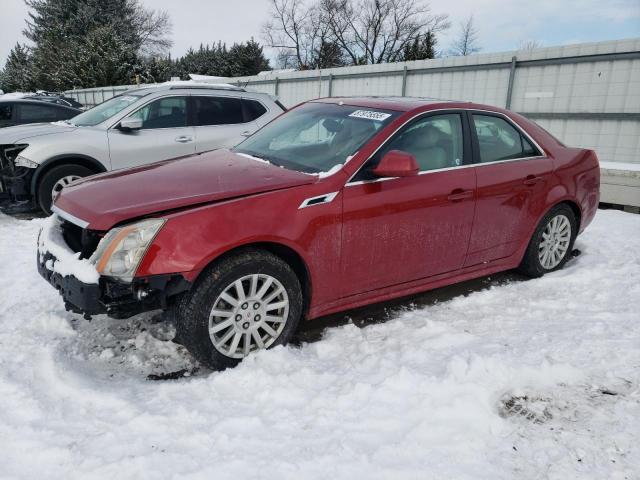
(370, 115)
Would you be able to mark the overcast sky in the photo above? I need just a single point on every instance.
(501, 24)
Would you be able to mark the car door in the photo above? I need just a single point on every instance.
(513, 175)
(164, 134)
(220, 121)
(397, 230)
(7, 112)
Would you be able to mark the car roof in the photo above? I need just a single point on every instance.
(405, 104)
(168, 86)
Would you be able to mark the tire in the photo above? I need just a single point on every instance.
(195, 307)
(532, 264)
(52, 177)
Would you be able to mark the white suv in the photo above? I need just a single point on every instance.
(136, 128)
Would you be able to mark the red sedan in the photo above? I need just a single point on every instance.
(336, 204)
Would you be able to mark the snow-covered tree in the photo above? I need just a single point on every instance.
(90, 42)
(17, 75)
(247, 59)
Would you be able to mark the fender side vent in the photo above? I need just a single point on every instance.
(319, 200)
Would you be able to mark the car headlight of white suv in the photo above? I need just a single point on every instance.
(22, 161)
(122, 249)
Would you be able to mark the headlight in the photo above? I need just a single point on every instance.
(122, 249)
(21, 161)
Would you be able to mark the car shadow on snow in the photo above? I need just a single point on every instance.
(312, 331)
(143, 346)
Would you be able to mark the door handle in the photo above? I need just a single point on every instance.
(532, 180)
(246, 133)
(184, 139)
(459, 194)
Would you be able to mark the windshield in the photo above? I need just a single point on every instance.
(316, 137)
(104, 111)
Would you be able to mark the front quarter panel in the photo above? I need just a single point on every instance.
(192, 239)
(84, 141)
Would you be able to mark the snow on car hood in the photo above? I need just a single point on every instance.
(21, 133)
(111, 198)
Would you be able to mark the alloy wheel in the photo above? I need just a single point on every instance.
(249, 315)
(554, 242)
(63, 182)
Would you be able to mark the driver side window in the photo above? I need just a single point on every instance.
(170, 112)
(436, 141)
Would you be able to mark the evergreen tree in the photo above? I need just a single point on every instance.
(421, 48)
(246, 59)
(91, 42)
(17, 75)
(329, 54)
(216, 60)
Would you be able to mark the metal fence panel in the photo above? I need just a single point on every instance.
(588, 95)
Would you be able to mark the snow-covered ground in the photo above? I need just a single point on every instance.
(522, 379)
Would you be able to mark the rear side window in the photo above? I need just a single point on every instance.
(170, 112)
(254, 109)
(499, 140)
(217, 111)
(37, 113)
(5, 113)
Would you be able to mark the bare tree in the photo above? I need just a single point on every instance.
(355, 31)
(529, 44)
(467, 41)
(154, 29)
(377, 31)
(295, 32)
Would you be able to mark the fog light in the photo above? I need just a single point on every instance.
(142, 293)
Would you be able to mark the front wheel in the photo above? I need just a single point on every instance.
(551, 243)
(55, 180)
(244, 303)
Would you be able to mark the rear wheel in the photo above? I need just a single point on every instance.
(245, 303)
(551, 243)
(55, 180)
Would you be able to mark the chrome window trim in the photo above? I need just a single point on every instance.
(461, 110)
(70, 218)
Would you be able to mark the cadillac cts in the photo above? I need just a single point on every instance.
(336, 204)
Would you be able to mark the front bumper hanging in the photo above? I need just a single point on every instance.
(92, 294)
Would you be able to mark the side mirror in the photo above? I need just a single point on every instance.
(396, 163)
(130, 124)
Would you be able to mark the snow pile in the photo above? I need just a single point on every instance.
(67, 261)
(514, 379)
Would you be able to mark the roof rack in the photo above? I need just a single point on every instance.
(208, 87)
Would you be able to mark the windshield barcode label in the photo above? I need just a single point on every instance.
(370, 115)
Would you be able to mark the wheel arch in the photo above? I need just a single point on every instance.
(288, 254)
(576, 211)
(67, 159)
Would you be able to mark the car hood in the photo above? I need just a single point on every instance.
(22, 133)
(105, 200)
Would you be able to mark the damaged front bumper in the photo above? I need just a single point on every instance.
(15, 181)
(15, 189)
(88, 293)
